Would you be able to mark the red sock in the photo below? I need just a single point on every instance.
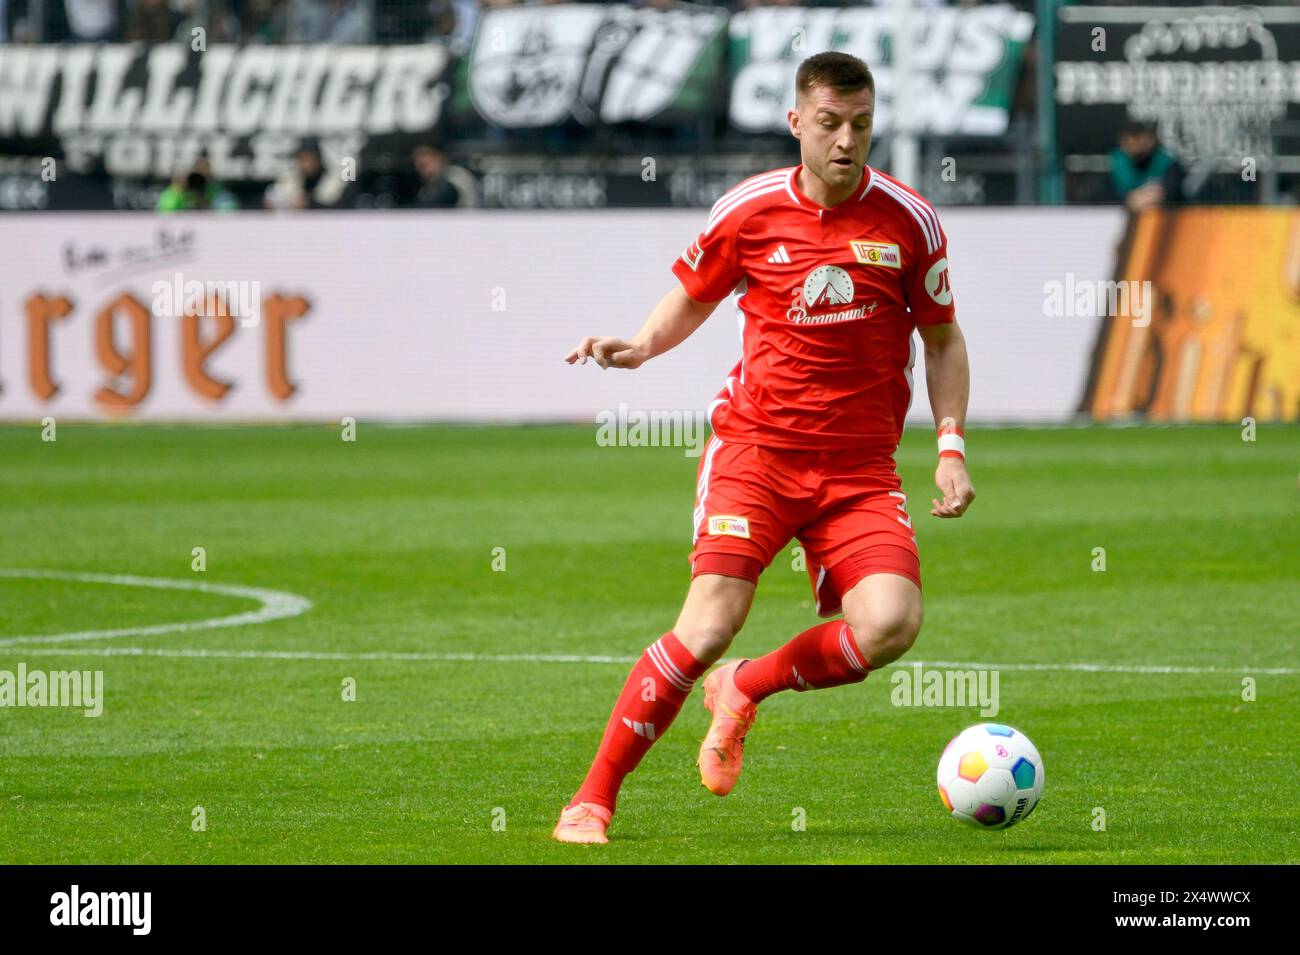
(822, 657)
(652, 696)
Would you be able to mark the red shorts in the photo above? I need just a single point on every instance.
(846, 508)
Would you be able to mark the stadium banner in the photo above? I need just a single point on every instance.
(966, 62)
(598, 64)
(136, 110)
(1222, 341)
(460, 317)
(1212, 80)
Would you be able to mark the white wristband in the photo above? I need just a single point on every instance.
(952, 444)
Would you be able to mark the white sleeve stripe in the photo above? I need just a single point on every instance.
(925, 217)
(922, 213)
(923, 207)
(928, 215)
(749, 185)
(729, 202)
(777, 187)
(867, 188)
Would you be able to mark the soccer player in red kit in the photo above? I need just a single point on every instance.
(837, 265)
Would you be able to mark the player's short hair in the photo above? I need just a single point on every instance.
(841, 72)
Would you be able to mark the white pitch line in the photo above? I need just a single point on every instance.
(1099, 667)
(195, 653)
(275, 605)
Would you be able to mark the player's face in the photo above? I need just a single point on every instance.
(834, 133)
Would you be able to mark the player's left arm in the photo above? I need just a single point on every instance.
(947, 378)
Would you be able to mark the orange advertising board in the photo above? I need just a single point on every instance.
(1221, 338)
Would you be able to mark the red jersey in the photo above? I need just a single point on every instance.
(830, 298)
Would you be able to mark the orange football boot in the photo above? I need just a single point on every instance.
(733, 715)
(584, 823)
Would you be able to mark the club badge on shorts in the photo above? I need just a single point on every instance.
(729, 525)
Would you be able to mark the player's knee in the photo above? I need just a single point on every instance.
(714, 612)
(885, 634)
(707, 636)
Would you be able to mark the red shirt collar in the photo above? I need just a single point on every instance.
(792, 186)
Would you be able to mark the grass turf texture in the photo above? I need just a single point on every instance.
(392, 539)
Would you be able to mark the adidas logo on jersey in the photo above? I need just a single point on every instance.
(641, 729)
(780, 256)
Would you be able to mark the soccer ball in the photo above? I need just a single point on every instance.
(990, 776)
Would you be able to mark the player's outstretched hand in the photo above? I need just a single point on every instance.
(954, 483)
(608, 353)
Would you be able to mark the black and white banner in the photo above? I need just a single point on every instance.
(596, 63)
(1213, 80)
(139, 111)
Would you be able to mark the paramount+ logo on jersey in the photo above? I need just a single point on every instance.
(826, 287)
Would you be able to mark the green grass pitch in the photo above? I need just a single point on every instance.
(392, 538)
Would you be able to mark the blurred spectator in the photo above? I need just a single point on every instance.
(441, 185)
(92, 19)
(1142, 172)
(306, 185)
(56, 21)
(329, 21)
(151, 20)
(215, 17)
(262, 21)
(197, 189)
(450, 20)
(398, 21)
(459, 29)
